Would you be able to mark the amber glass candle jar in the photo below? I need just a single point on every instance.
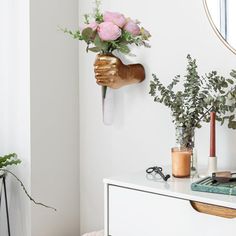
(181, 162)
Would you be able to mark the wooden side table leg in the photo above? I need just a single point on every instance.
(6, 202)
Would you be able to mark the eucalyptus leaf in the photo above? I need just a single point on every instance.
(230, 81)
(232, 124)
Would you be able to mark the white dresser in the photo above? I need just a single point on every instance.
(138, 206)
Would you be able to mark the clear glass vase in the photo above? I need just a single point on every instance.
(185, 137)
(184, 155)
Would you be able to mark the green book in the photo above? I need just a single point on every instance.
(207, 185)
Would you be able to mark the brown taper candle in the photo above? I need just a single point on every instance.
(212, 135)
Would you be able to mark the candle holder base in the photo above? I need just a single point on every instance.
(212, 165)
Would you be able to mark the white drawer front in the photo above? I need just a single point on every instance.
(137, 213)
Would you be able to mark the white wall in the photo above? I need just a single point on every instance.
(142, 133)
(39, 98)
(54, 117)
(14, 103)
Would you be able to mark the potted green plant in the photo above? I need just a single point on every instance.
(192, 98)
(12, 159)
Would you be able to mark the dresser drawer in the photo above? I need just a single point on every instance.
(137, 213)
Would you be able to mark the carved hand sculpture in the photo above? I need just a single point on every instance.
(111, 72)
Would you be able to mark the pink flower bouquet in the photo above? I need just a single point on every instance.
(110, 31)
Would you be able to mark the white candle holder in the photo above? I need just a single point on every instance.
(212, 165)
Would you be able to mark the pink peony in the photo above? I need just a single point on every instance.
(92, 25)
(108, 31)
(132, 28)
(114, 17)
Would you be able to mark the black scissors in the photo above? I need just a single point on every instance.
(157, 170)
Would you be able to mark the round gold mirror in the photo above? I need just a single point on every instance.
(221, 14)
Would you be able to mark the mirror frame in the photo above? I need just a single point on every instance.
(217, 32)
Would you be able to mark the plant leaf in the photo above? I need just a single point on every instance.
(88, 34)
(94, 49)
(124, 49)
(100, 44)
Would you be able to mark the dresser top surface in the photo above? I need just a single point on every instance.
(174, 187)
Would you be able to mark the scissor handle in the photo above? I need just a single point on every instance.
(153, 169)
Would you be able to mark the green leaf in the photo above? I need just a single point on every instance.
(232, 124)
(86, 19)
(103, 46)
(124, 49)
(233, 74)
(88, 34)
(12, 162)
(10, 159)
(94, 49)
(98, 42)
(7, 157)
(231, 118)
(230, 81)
(231, 108)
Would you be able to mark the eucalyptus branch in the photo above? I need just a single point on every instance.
(199, 95)
(26, 192)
